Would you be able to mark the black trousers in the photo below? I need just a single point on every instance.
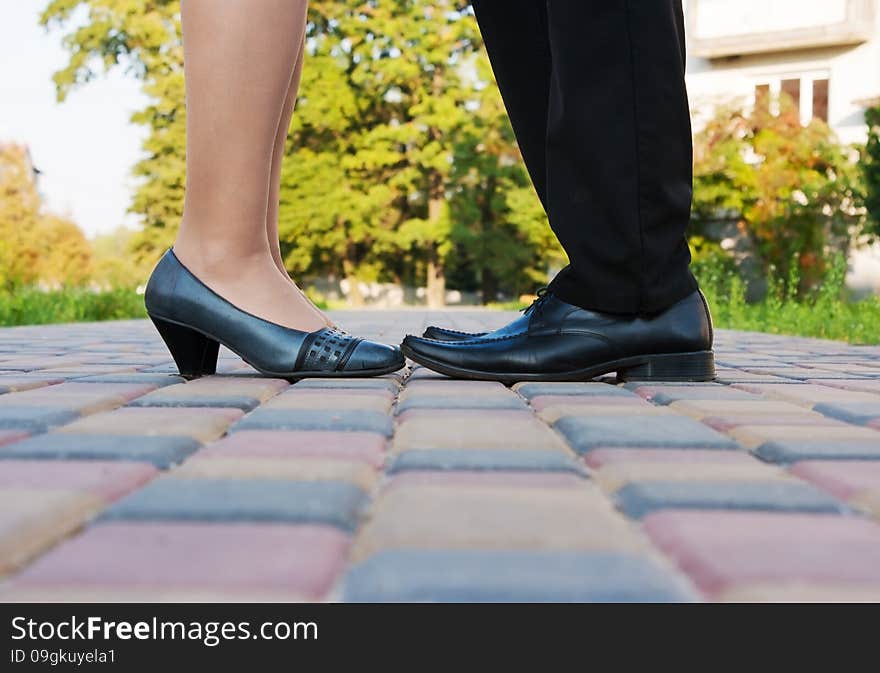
(596, 95)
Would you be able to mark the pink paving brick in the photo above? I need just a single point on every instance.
(725, 423)
(541, 402)
(452, 387)
(602, 457)
(107, 480)
(719, 550)
(366, 447)
(844, 479)
(858, 385)
(9, 436)
(227, 558)
(549, 480)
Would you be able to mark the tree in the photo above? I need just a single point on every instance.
(35, 246)
(792, 189)
(871, 168)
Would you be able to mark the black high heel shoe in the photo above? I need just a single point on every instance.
(193, 320)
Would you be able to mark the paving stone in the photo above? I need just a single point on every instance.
(479, 460)
(486, 431)
(12, 383)
(856, 385)
(800, 592)
(409, 575)
(542, 402)
(551, 414)
(842, 479)
(287, 469)
(728, 423)
(193, 561)
(10, 436)
(85, 398)
(585, 433)
(806, 394)
(309, 419)
(607, 457)
(203, 424)
(667, 394)
(637, 500)
(530, 390)
(700, 409)
(432, 517)
(615, 476)
(158, 380)
(869, 501)
(366, 447)
(860, 413)
(105, 480)
(721, 550)
(33, 519)
(202, 499)
(333, 400)
(753, 436)
(460, 402)
(486, 479)
(34, 419)
(792, 451)
(453, 387)
(215, 391)
(380, 383)
(161, 451)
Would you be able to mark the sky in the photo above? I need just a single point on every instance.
(84, 147)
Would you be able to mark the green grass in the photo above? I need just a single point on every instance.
(31, 306)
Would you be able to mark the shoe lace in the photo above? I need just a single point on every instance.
(538, 303)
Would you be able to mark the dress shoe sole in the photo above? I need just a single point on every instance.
(687, 367)
(195, 354)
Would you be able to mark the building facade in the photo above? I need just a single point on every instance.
(825, 54)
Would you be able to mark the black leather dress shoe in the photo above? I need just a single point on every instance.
(556, 341)
(519, 325)
(194, 320)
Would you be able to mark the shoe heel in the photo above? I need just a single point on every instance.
(698, 366)
(193, 352)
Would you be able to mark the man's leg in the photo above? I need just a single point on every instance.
(516, 38)
(619, 153)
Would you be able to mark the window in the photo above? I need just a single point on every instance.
(792, 89)
(820, 99)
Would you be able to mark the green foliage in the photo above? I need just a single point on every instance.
(793, 190)
(823, 312)
(32, 306)
(871, 168)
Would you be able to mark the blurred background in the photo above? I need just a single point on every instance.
(402, 182)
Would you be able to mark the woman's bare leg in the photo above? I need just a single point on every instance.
(239, 58)
(275, 178)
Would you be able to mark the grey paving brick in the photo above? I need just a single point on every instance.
(511, 576)
(585, 433)
(670, 394)
(161, 451)
(34, 419)
(461, 402)
(793, 451)
(640, 499)
(530, 390)
(171, 499)
(157, 399)
(134, 377)
(309, 419)
(851, 412)
(486, 460)
(375, 383)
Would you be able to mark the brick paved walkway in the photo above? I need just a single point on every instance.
(121, 482)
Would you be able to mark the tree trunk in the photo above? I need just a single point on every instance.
(489, 286)
(355, 297)
(436, 285)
